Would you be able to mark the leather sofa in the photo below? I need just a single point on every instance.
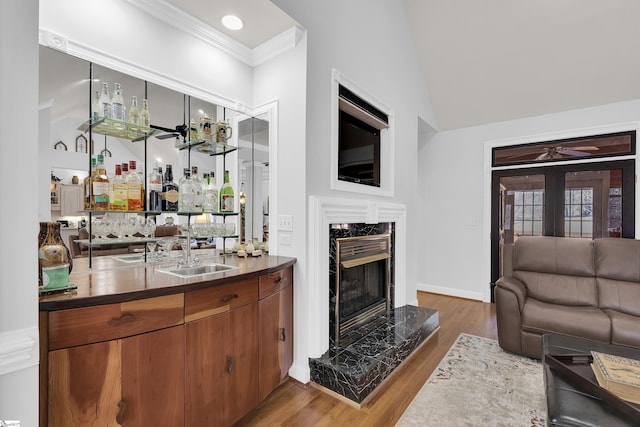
(574, 287)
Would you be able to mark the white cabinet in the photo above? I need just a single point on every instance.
(71, 199)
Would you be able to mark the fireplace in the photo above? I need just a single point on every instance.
(362, 282)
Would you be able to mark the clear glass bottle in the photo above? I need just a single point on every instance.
(117, 103)
(154, 185)
(119, 192)
(136, 188)
(87, 185)
(186, 193)
(198, 198)
(134, 113)
(100, 186)
(226, 195)
(170, 192)
(210, 193)
(145, 118)
(96, 113)
(105, 102)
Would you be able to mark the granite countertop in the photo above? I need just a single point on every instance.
(111, 280)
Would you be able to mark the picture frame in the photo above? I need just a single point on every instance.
(81, 144)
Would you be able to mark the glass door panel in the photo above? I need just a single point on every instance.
(593, 204)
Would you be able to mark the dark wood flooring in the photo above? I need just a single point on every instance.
(294, 404)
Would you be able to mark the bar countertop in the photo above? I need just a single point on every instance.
(111, 280)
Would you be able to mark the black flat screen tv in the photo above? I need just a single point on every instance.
(358, 151)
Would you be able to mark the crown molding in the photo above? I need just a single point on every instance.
(177, 18)
(277, 45)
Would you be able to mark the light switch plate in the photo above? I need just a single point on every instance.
(285, 222)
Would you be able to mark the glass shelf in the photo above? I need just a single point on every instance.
(196, 213)
(118, 129)
(102, 212)
(106, 241)
(208, 147)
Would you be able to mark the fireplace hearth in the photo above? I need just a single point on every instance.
(368, 337)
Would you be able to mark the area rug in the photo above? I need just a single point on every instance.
(479, 384)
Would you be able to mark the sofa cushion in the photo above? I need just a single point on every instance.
(586, 322)
(545, 254)
(559, 289)
(619, 296)
(617, 259)
(625, 329)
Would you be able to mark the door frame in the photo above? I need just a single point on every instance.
(485, 277)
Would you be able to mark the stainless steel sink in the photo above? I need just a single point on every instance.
(198, 270)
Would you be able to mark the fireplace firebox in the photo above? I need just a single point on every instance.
(363, 276)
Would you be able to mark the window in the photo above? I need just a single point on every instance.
(528, 209)
(578, 212)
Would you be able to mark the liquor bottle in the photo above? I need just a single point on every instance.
(117, 103)
(169, 192)
(135, 186)
(226, 195)
(198, 198)
(100, 186)
(119, 192)
(125, 173)
(105, 102)
(134, 113)
(145, 118)
(155, 189)
(210, 193)
(87, 185)
(186, 190)
(96, 113)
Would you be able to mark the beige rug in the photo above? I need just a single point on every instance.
(479, 384)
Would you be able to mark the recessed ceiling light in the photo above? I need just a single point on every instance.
(232, 22)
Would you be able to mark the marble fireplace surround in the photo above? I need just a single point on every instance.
(324, 211)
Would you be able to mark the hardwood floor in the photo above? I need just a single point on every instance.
(294, 404)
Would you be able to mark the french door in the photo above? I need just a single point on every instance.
(586, 200)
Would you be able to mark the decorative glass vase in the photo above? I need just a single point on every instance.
(51, 248)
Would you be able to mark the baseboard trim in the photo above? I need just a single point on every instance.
(18, 350)
(453, 292)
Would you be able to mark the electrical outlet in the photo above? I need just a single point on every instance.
(285, 239)
(285, 222)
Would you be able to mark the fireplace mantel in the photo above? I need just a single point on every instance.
(324, 211)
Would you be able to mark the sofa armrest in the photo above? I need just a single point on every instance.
(510, 295)
(515, 286)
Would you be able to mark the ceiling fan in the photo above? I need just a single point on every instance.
(560, 152)
(179, 131)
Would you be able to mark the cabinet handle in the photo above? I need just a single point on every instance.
(228, 298)
(122, 406)
(230, 364)
(120, 320)
(283, 337)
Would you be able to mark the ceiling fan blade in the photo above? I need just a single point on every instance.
(543, 156)
(569, 152)
(585, 148)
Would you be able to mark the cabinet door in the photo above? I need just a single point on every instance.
(84, 385)
(71, 199)
(153, 378)
(276, 339)
(222, 367)
(241, 385)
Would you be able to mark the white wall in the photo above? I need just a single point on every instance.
(283, 78)
(369, 43)
(455, 174)
(19, 211)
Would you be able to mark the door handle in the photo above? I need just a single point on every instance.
(282, 336)
(228, 298)
(122, 407)
(230, 364)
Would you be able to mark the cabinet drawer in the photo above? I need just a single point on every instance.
(218, 299)
(275, 282)
(78, 326)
